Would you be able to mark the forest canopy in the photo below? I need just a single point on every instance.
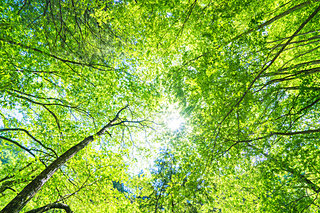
(159, 106)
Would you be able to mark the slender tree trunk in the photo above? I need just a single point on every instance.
(17, 204)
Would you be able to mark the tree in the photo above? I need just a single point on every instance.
(245, 75)
(58, 89)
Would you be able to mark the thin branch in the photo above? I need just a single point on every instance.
(19, 145)
(310, 131)
(18, 203)
(54, 56)
(51, 206)
(271, 62)
(31, 136)
(270, 21)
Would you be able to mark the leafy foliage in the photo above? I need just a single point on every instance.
(243, 74)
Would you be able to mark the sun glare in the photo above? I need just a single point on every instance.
(175, 122)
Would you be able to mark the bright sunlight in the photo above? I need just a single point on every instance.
(175, 121)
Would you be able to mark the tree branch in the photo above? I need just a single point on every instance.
(17, 144)
(17, 203)
(52, 206)
(31, 136)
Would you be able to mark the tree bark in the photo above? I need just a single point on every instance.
(17, 204)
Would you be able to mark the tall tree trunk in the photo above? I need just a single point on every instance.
(17, 204)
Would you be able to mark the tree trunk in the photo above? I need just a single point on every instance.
(17, 204)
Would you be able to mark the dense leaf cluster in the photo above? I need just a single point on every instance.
(86, 86)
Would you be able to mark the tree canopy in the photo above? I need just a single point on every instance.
(89, 88)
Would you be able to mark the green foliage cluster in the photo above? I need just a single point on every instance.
(243, 74)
